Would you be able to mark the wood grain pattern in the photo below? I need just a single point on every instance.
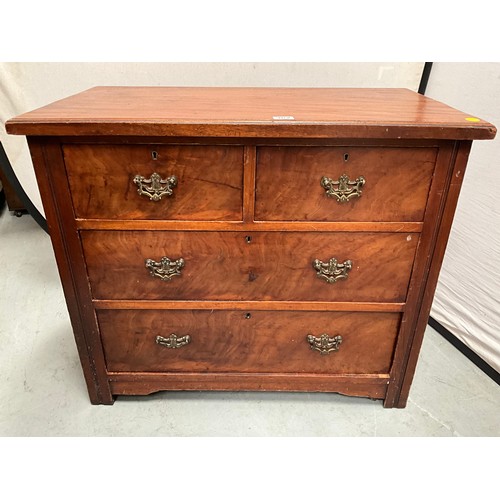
(234, 140)
(249, 185)
(209, 181)
(273, 266)
(248, 294)
(433, 266)
(161, 225)
(397, 183)
(437, 195)
(71, 265)
(140, 383)
(242, 305)
(236, 112)
(252, 341)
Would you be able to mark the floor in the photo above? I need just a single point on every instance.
(42, 391)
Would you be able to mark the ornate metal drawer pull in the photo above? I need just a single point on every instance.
(332, 271)
(173, 342)
(324, 344)
(155, 187)
(346, 189)
(165, 269)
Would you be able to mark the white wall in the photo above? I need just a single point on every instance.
(26, 86)
(467, 300)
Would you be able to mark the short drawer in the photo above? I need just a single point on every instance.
(374, 184)
(176, 182)
(253, 341)
(370, 267)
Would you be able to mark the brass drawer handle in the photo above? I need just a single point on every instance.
(346, 189)
(324, 344)
(166, 269)
(332, 271)
(173, 342)
(155, 187)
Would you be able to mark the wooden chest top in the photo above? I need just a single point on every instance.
(252, 112)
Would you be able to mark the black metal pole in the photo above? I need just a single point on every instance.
(16, 186)
(425, 78)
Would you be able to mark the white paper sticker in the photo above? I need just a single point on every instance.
(283, 118)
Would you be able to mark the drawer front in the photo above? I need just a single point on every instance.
(205, 182)
(252, 266)
(254, 341)
(293, 182)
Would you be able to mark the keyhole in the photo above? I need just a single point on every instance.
(248, 316)
(346, 156)
(154, 155)
(248, 239)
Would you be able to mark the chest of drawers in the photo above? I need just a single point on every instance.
(249, 239)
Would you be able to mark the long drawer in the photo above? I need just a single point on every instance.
(343, 183)
(252, 342)
(192, 183)
(305, 266)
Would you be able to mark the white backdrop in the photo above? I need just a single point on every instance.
(467, 300)
(468, 295)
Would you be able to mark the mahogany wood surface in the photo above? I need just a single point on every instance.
(251, 112)
(396, 186)
(243, 305)
(272, 266)
(68, 252)
(431, 231)
(209, 181)
(249, 216)
(433, 266)
(143, 383)
(274, 226)
(251, 141)
(252, 341)
(249, 185)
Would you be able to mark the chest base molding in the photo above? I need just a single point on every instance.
(141, 384)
